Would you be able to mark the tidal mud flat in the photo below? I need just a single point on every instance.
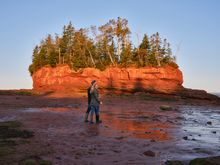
(136, 129)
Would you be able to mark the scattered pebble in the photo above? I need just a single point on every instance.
(185, 138)
(209, 123)
(148, 132)
(173, 162)
(149, 153)
(166, 108)
(119, 138)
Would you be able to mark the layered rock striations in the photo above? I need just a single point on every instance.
(162, 79)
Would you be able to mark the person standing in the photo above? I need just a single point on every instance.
(95, 103)
(89, 100)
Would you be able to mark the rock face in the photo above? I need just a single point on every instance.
(163, 79)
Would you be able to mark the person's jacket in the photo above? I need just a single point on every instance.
(94, 94)
(89, 95)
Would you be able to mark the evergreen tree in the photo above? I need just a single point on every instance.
(51, 54)
(83, 50)
(35, 61)
(66, 43)
(143, 51)
(155, 43)
(78, 50)
(126, 56)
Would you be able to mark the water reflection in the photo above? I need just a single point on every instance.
(137, 126)
(47, 109)
(169, 126)
(91, 130)
(202, 124)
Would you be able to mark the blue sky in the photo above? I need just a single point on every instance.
(192, 24)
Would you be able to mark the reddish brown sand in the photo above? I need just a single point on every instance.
(131, 126)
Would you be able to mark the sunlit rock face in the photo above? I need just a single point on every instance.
(161, 79)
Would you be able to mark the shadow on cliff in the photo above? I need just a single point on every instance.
(109, 89)
(138, 86)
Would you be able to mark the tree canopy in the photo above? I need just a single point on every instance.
(100, 47)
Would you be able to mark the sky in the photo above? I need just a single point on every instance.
(191, 26)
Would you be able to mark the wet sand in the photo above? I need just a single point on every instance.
(132, 125)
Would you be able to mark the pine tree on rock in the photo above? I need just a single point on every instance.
(109, 46)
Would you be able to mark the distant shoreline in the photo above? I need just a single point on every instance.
(217, 94)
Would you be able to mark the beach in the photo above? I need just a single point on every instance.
(136, 129)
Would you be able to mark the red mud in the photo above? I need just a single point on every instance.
(131, 126)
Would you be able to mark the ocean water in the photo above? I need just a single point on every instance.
(217, 94)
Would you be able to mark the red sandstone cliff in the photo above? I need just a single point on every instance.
(163, 79)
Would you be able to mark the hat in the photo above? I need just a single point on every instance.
(93, 82)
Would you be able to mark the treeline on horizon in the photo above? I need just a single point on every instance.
(100, 47)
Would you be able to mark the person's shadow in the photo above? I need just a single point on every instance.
(138, 86)
(91, 129)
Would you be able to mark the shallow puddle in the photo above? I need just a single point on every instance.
(47, 109)
(7, 118)
(146, 125)
(184, 134)
(201, 126)
(202, 123)
(188, 133)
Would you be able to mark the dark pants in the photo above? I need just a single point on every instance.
(96, 110)
(87, 113)
(88, 109)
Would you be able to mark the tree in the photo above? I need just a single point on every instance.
(143, 51)
(126, 56)
(35, 61)
(51, 54)
(109, 46)
(66, 43)
(83, 50)
(122, 32)
(155, 42)
(57, 48)
(167, 57)
(106, 43)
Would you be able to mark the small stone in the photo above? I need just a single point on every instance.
(148, 132)
(149, 153)
(185, 138)
(214, 132)
(119, 138)
(166, 108)
(173, 162)
(209, 122)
